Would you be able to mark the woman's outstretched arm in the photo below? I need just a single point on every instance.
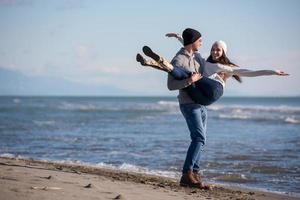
(254, 73)
(211, 68)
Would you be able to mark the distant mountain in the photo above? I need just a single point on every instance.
(16, 83)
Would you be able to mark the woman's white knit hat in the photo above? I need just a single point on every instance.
(222, 44)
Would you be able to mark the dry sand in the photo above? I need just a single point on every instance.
(28, 179)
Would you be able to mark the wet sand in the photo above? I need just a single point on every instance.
(29, 179)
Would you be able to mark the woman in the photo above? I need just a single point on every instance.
(205, 90)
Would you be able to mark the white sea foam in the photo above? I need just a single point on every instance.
(76, 106)
(16, 101)
(42, 123)
(122, 167)
(168, 103)
(144, 170)
(233, 177)
(67, 139)
(9, 155)
(257, 117)
(215, 107)
(292, 120)
(173, 108)
(156, 106)
(125, 167)
(223, 116)
(256, 108)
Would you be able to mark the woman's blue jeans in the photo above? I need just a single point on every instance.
(196, 118)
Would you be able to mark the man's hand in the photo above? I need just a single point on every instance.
(195, 77)
(223, 76)
(176, 35)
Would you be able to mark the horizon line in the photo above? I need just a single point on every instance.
(163, 96)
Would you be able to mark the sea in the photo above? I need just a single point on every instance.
(251, 142)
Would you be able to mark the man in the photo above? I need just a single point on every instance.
(194, 114)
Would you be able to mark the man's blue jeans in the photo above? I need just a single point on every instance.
(196, 118)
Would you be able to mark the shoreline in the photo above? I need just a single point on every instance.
(33, 179)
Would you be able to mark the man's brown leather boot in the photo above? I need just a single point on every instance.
(197, 177)
(188, 180)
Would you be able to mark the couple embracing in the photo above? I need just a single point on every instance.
(200, 83)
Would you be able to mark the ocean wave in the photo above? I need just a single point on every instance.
(259, 118)
(66, 139)
(160, 106)
(76, 106)
(268, 170)
(292, 120)
(242, 108)
(16, 100)
(10, 155)
(144, 170)
(136, 169)
(223, 116)
(173, 107)
(256, 108)
(122, 167)
(7, 155)
(168, 103)
(234, 178)
(215, 107)
(43, 123)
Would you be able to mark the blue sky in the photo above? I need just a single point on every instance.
(91, 45)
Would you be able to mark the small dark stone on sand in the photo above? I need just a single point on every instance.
(119, 197)
(75, 171)
(15, 189)
(161, 185)
(251, 193)
(48, 177)
(88, 185)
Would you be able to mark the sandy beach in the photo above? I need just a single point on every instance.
(29, 179)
